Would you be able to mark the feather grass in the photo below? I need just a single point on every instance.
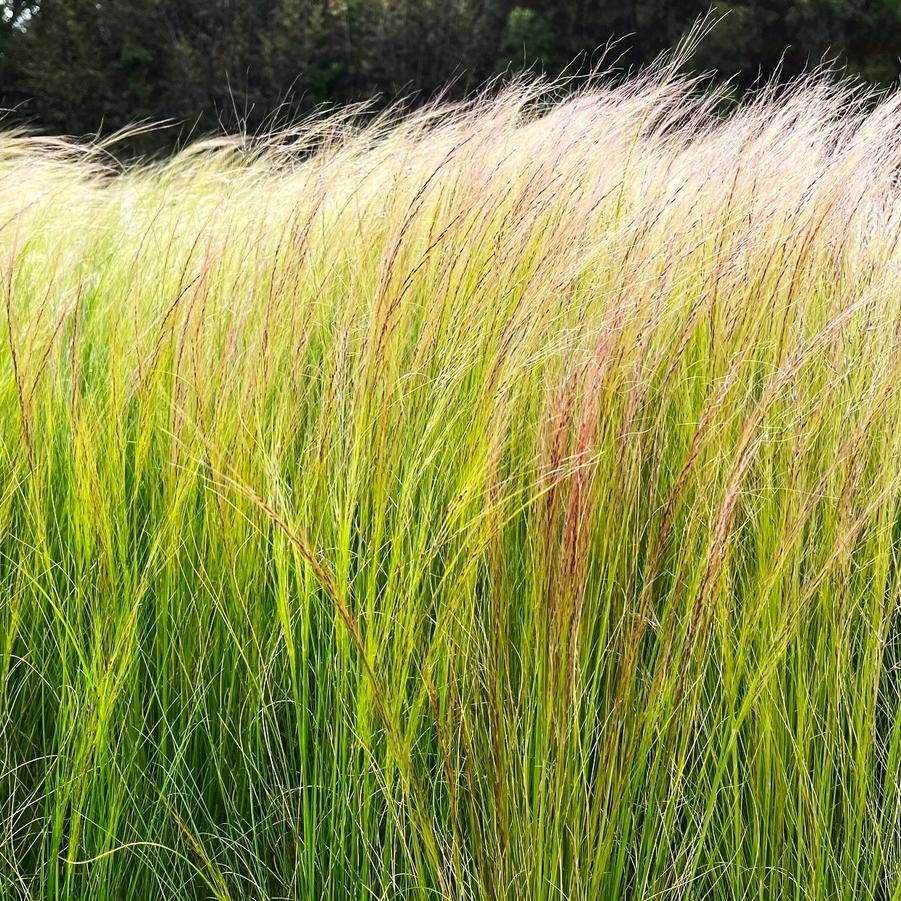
(498, 501)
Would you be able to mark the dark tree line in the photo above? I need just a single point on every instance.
(83, 66)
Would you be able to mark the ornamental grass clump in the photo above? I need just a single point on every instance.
(500, 501)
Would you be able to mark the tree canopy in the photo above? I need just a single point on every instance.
(94, 66)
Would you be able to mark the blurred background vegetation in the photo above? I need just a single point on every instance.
(93, 66)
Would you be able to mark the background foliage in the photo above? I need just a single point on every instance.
(87, 66)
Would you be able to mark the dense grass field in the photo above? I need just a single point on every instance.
(498, 502)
